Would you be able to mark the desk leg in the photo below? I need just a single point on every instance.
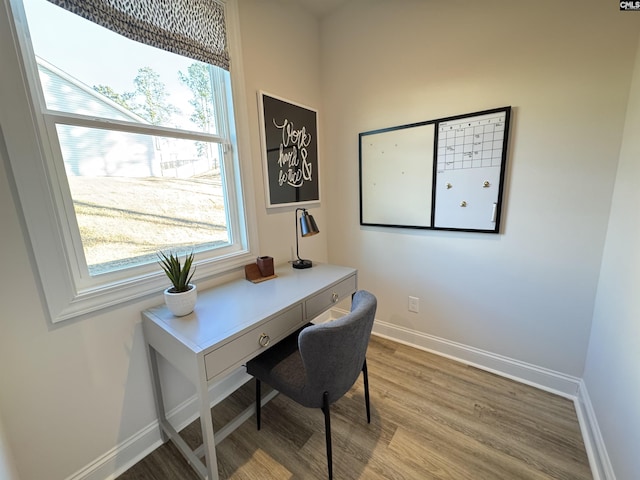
(157, 392)
(206, 423)
(167, 432)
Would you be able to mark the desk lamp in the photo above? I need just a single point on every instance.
(308, 227)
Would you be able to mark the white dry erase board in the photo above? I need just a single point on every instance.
(444, 174)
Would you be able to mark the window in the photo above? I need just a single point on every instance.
(139, 154)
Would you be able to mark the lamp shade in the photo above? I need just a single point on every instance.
(308, 225)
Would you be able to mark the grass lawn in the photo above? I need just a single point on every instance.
(120, 218)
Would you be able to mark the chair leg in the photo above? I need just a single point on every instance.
(258, 403)
(365, 374)
(327, 429)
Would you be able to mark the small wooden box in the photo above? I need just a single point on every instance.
(252, 273)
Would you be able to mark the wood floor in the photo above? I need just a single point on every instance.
(431, 418)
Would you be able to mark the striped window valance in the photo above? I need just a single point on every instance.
(192, 28)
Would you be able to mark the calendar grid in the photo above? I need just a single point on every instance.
(471, 143)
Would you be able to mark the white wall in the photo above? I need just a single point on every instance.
(611, 372)
(281, 49)
(72, 393)
(527, 293)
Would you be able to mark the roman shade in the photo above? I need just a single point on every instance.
(191, 28)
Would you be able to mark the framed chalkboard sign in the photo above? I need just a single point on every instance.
(289, 134)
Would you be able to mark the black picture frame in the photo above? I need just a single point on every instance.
(289, 136)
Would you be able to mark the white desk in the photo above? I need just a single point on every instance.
(231, 324)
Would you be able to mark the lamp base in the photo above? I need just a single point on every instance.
(301, 263)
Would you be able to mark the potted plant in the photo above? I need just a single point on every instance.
(181, 296)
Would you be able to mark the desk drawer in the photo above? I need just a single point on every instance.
(322, 301)
(233, 353)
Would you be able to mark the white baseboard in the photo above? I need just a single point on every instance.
(601, 467)
(128, 453)
(565, 385)
(523, 372)
(132, 450)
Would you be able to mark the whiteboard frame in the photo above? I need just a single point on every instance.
(367, 162)
(382, 180)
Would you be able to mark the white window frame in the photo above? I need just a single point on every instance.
(42, 187)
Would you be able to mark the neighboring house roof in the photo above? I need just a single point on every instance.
(79, 98)
(91, 151)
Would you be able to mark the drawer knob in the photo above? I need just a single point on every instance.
(335, 297)
(264, 340)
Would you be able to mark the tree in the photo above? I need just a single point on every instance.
(154, 107)
(149, 100)
(121, 99)
(198, 80)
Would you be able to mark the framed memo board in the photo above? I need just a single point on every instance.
(289, 134)
(443, 174)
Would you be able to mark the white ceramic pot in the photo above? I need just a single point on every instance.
(183, 303)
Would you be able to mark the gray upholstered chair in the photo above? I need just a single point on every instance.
(318, 364)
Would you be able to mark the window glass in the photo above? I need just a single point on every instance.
(140, 139)
(134, 195)
(92, 64)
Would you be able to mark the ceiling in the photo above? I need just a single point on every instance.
(318, 8)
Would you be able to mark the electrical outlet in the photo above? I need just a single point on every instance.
(414, 304)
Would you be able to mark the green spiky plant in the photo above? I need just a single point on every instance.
(179, 274)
